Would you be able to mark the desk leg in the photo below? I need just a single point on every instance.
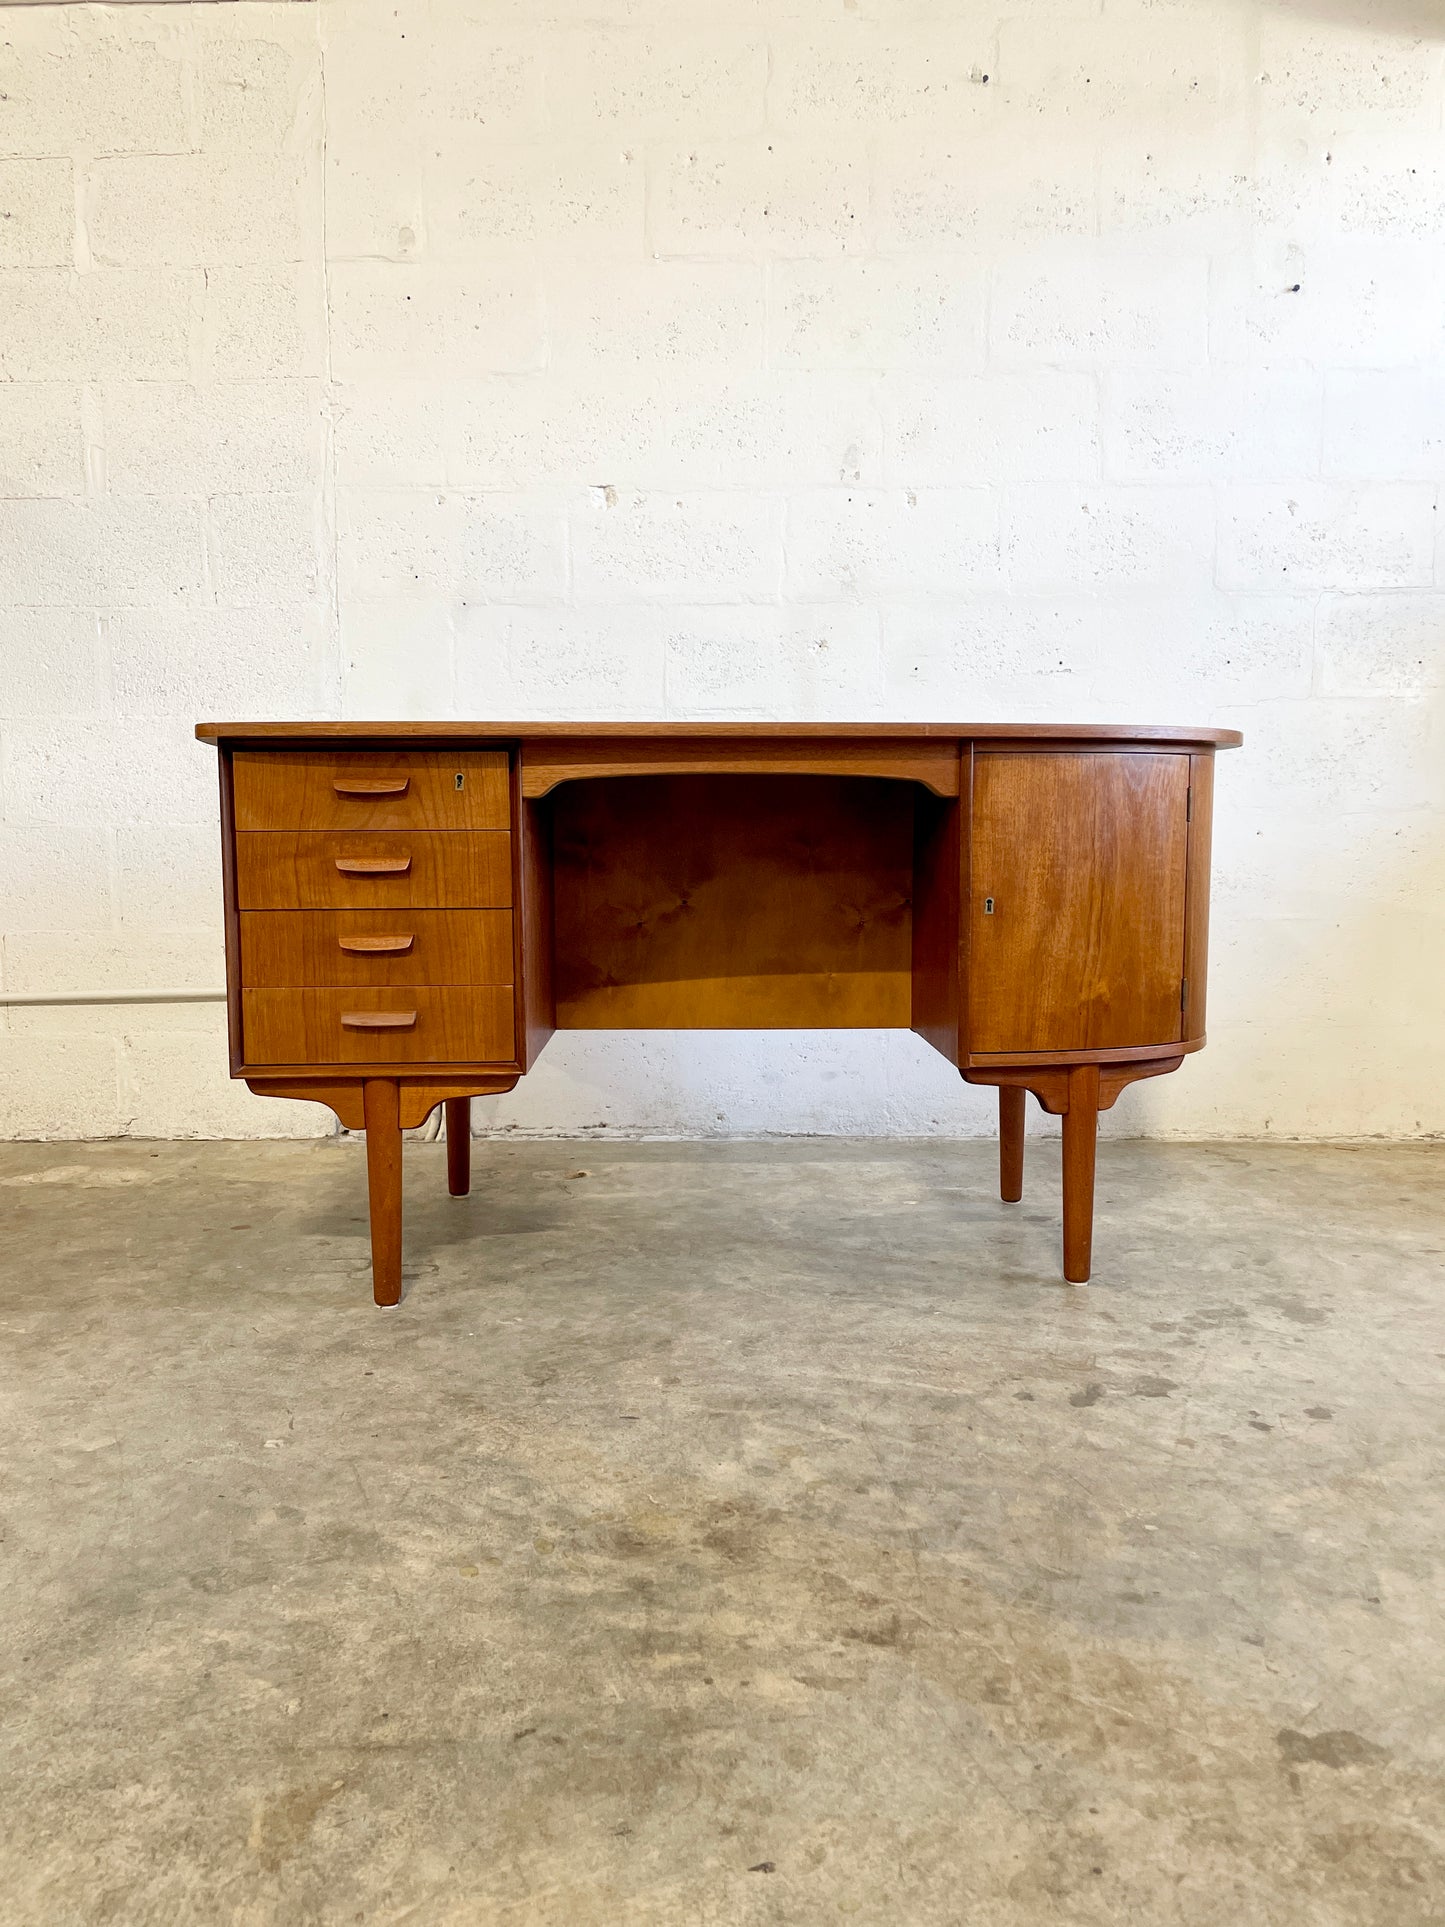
(1011, 1099)
(459, 1146)
(381, 1103)
(1076, 1093)
(1081, 1131)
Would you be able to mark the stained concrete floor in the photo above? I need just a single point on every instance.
(730, 1533)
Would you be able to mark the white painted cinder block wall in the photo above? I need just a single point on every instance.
(792, 358)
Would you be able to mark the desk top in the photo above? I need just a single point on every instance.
(478, 732)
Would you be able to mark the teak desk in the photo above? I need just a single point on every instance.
(413, 908)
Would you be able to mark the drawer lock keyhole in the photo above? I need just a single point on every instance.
(988, 906)
(461, 779)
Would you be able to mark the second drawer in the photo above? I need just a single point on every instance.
(281, 948)
(389, 869)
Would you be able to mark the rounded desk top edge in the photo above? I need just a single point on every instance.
(452, 731)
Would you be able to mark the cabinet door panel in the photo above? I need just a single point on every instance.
(1077, 919)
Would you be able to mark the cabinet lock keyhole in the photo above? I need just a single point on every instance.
(460, 779)
(988, 906)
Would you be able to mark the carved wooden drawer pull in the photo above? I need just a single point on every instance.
(374, 866)
(392, 946)
(377, 1019)
(371, 785)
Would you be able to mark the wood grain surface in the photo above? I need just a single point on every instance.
(940, 835)
(291, 949)
(1196, 897)
(1082, 858)
(471, 1025)
(448, 870)
(459, 1145)
(297, 789)
(536, 998)
(382, 1110)
(933, 764)
(758, 902)
(438, 733)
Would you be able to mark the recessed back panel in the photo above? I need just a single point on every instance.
(733, 902)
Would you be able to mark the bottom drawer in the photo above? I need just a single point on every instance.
(374, 1026)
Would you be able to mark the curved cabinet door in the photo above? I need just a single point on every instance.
(1078, 894)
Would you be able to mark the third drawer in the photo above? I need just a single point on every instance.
(282, 948)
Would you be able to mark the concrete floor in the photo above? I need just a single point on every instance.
(726, 1533)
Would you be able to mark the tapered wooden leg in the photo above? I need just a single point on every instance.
(381, 1109)
(459, 1146)
(1081, 1131)
(1011, 1142)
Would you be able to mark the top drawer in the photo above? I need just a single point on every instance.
(371, 789)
